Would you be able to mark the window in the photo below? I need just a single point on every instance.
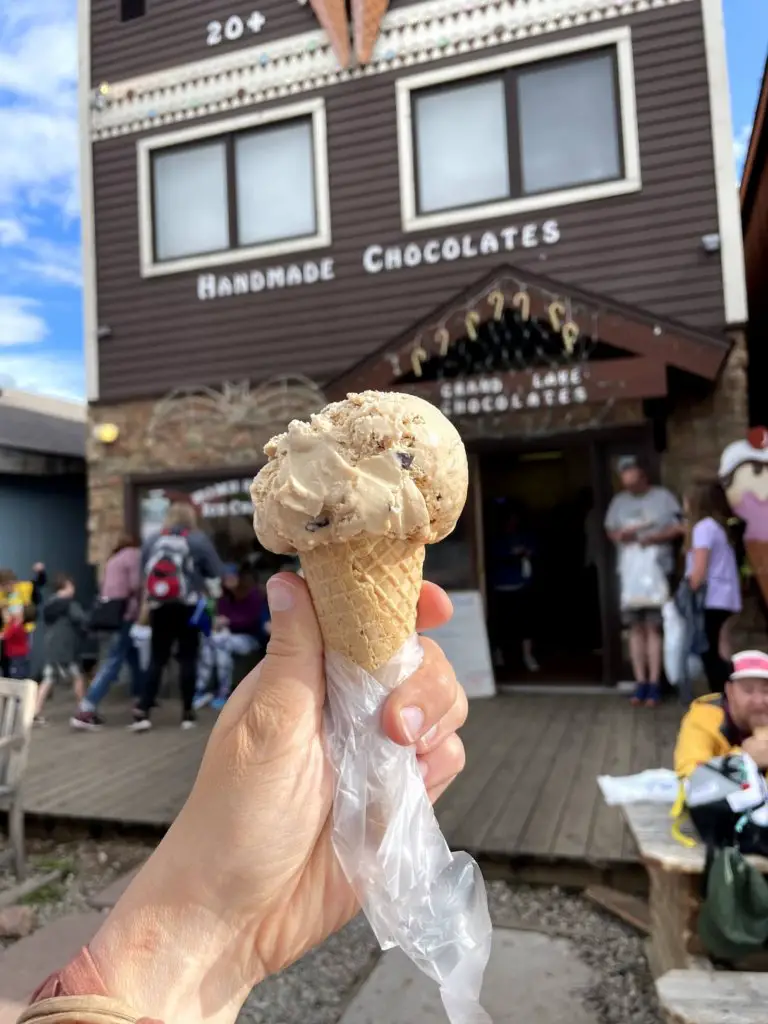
(238, 190)
(130, 9)
(543, 126)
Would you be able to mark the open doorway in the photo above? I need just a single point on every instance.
(542, 536)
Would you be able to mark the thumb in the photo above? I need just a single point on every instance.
(293, 665)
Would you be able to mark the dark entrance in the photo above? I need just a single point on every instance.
(542, 540)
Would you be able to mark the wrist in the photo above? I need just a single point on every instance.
(172, 956)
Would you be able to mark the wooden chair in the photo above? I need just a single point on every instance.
(17, 709)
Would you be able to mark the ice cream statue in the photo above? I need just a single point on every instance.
(357, 492)
(744, 475)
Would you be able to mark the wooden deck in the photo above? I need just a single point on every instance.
(528, 792)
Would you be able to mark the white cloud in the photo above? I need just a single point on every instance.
(11, 232)
(44, 373)
(20, 324)
(38, 103)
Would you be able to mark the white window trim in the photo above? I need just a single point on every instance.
(320, 239)
(621, 38)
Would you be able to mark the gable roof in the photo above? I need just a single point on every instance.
(662, 340)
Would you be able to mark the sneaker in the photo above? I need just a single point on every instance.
(86, 721)
(218, 703)
(640, 696)
(653, 696)
(202, 701)
(140, 725)
(188, 723)
(39, 720)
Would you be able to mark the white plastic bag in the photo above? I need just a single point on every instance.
(654, 786)
(415, 893)
(141, 637)
(643, 581)
(675, 642)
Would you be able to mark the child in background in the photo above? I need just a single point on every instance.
(16, 647)
(65, 626)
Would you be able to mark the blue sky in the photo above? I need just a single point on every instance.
(40, 317)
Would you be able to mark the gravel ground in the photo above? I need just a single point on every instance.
(88, 866)
(320, 986)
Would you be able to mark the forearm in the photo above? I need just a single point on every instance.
(669, 533)
(166, 954)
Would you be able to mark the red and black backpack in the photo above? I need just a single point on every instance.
(169, 569)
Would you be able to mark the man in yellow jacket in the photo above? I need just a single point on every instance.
(722, 723)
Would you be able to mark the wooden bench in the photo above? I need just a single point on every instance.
(702, 997)
(675, 881)
(17, 709)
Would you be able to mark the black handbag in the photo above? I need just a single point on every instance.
(108, 614)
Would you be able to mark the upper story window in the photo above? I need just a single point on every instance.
(539, 127)
(130, 9)
(241, 189)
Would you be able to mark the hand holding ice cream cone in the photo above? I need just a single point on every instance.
(357, 493)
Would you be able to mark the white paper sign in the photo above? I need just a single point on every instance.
(465, 642)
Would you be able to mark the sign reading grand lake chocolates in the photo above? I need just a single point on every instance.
(377, 258)
(489, 394)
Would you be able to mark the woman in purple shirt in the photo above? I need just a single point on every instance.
(240, 628)
(711, 563)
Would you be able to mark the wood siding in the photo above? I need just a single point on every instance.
(642, 249)
(175, 31)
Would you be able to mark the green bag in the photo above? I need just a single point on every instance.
(733, 921)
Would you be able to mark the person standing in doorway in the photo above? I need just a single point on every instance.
(181, 566)
(120, 593)
(710, 563)
(512, 584)
(642, 513)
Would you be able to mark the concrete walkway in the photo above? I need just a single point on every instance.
(530, 978)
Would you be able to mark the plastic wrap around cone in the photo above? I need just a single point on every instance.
(332, 15)
(365, 593)
(366, 19)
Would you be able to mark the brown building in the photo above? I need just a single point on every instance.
(525, 211)
(754, 213)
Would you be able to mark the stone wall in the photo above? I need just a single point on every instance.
(198, 429)
(699, 429)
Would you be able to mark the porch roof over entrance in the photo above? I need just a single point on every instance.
(570, 314)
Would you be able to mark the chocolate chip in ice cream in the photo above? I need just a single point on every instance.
(318, 524)
(405, 459)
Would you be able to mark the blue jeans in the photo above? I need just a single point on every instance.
(121, 650)
(219, 650)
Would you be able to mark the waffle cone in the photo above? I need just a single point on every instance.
(332, 15)
(757, 553)
(366, 18)
(365, 594)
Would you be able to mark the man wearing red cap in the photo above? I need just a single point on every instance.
(722, 723)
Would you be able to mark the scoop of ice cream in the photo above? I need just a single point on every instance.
(378, 463)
